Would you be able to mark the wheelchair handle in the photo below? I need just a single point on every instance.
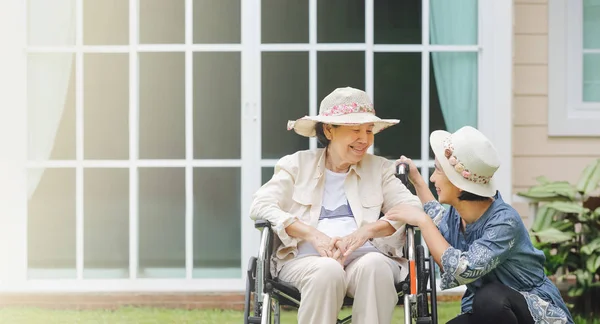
(402, 173)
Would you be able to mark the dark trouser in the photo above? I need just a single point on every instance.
(497, 303)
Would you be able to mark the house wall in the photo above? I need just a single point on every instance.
(534, 152)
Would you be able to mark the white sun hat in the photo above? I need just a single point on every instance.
(344, 106)
(468, 159)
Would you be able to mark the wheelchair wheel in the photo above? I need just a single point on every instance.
(425, 295)
(250, 296)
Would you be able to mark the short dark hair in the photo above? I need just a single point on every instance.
(321, 138)
(468, 196)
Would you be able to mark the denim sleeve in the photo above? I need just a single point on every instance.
(435, 210)
(485, 254)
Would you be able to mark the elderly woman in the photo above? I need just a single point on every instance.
(480, 241)
(325, 204)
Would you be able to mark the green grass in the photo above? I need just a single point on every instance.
(130, 315)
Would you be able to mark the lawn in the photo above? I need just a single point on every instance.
(130, 315)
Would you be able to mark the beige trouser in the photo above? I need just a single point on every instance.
(324, 283)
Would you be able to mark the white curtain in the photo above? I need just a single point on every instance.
(50, 23)
(455, 23)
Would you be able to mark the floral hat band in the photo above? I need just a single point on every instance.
(460, 167)
(344, 106)
(349, 108)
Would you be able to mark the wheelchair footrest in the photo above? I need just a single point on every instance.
(253, 319)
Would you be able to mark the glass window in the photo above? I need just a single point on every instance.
(106, 223)
(161, 223)
(217, 22)
(284, 97)
(284, 21)
(51, 223)
(162, 106)
(217, 105)
(105, 22)
(217, 227)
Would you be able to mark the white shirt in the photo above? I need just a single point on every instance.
(336, 217)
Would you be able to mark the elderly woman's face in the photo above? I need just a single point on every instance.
(350, 143)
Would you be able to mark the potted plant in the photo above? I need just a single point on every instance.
(567, 229)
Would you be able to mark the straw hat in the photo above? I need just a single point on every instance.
(468, 159)
(344, 106)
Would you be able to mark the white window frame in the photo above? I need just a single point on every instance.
(495, 95)
(568, 114)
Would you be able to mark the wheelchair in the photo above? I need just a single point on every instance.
(265, 295)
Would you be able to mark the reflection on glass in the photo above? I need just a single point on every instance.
(397, 22)
(51, 224)
(284, 21)
(397, 78)
(162, 106)
(217, 225)
(591, 77)
(51, 106)
(161, 223)
(217, 22)
(162, 22)
(106, 106)
(106, 223)
(283, 98)
(217, 102)
(453, 22)
(105, 22)
(51, 23)
(341, 21)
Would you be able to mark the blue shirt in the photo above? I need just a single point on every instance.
(496, 248)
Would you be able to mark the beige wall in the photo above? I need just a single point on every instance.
(534, 153)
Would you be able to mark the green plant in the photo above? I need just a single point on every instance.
(567, 228)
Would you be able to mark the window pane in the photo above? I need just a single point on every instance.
(105, 22)
(267, 174)
(217, 225)
(453, 22)
(217, 22)
(591, 77)
(217, 102)
(341, 21)
(51, 106)
(106, 223)
(397, 95)
(333, 72)
(51, 223)
(283, 98)
(284, 21)
(162, 22)
(398, 22)
(162, 106)
(106, 106)
(51, 23)
(591, 24)
(161, 222)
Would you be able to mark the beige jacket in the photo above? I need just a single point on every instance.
(295, 193)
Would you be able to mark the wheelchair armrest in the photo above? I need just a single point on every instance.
(261, 224)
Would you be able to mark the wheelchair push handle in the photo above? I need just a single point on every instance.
(402, 173)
